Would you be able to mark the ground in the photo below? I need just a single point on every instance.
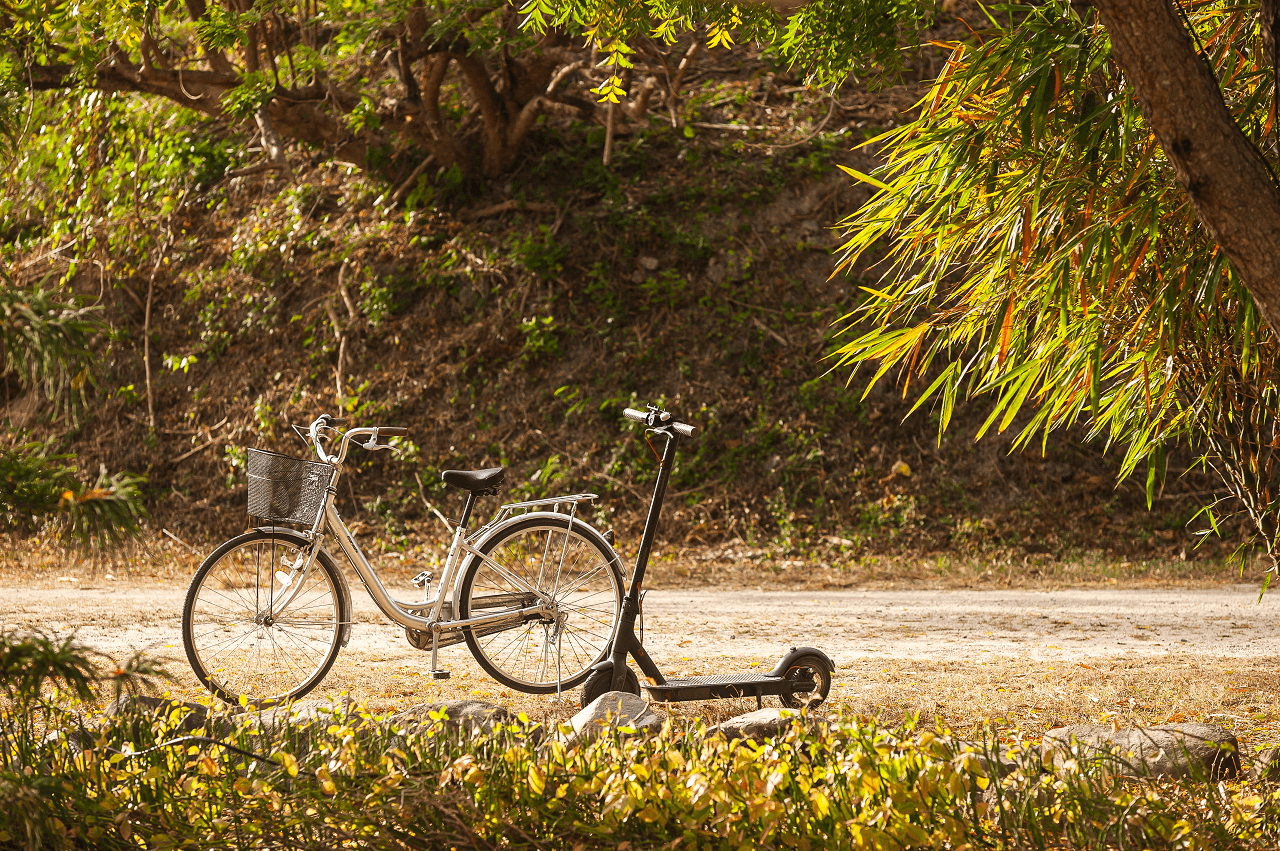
(1085, 646)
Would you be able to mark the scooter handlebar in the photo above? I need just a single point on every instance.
(678, 428)
(686, 430)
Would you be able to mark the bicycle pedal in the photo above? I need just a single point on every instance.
(421, 579)
(439, 675)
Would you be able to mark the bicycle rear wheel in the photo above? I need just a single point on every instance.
(238, 639)
(575, 570)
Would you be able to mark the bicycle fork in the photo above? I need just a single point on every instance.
(293, 581)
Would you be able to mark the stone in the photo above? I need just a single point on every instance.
(612, 710)
(1266, 766)
(468, 716)
(1170, 750)
(650, 263)
(294, 723)
(715, 271)
(761, 724)
(134, 705)
(995, 760)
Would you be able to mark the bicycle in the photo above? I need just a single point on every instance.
(535, 593)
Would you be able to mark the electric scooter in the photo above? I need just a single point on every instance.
(802, 677)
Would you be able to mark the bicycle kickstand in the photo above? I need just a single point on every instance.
(436, 672)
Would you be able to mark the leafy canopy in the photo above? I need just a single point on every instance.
(828, 39)
(1041, 253)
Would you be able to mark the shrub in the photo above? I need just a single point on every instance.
(348, 778)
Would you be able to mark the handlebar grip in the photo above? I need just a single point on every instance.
(392, 431)
(637, 416)
(686, 430)
(336, 420)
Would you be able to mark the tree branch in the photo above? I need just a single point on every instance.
(1228, 181)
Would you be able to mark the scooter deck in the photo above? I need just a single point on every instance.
(730, 685)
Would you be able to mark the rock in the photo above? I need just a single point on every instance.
(996, 760)
(76, 738)
(469, 716)
(1171, 750)
(761, 724)
(1266, 766)
(650, 263)
(191, 716)
(292, 725)
(715, 271)
(613, 709)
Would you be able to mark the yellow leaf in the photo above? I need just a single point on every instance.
(865, 178)
(537, 780)
(821, 805)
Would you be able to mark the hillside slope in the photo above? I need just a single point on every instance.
(510, 324)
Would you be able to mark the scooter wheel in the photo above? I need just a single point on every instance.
(601, 682)
(812, 679)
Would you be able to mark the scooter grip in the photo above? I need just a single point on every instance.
(686, 430)
(637, 416)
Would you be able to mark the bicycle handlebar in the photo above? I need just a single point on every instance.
(373, 432)
(660, 419)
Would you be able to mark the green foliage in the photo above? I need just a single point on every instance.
(46, 346)
(28, 663)
(829, 39)
(540, 253)
(352, 778)
(45, 342)
(1041, 254)
(539, 333)
(96, 171)
(39, 487)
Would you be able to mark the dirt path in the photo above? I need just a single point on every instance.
(1030, 657)
(849, 625)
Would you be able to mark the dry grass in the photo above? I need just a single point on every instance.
(159, 558)
(1010, 693)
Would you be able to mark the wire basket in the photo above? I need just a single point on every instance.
(286, 490)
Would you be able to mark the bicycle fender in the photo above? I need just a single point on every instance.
(344, 590)
(796, 653)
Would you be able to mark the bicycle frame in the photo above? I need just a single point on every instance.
(440, 613)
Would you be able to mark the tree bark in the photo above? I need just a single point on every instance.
(1229, 183)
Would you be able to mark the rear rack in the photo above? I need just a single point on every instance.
(513, 508)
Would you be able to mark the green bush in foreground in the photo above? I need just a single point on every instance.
(357, 781)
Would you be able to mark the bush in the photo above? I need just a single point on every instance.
(352, 779)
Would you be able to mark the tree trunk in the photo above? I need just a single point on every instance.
(1229, 183)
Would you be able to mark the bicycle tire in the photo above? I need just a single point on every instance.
(581, 574)
(235, 647)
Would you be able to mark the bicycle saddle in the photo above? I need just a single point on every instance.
(475, 480)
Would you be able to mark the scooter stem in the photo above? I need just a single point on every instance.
(651, 522)
(625, 641)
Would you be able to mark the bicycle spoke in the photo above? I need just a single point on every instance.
(225, 631)
(582, 587)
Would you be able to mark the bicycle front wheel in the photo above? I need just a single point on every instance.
(240, 637)
(574, 570)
